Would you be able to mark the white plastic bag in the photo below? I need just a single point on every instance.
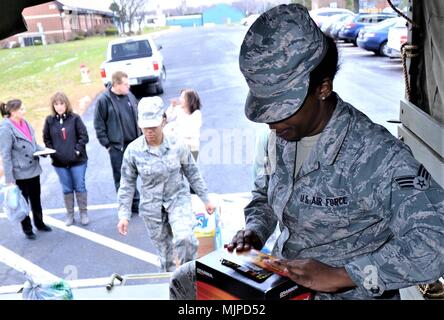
(14, 204)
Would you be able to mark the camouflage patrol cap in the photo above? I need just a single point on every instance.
(150, 112)
(278, 53)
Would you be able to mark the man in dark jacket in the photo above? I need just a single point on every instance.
(115, 121)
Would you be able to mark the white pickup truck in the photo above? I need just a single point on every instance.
(139, 57)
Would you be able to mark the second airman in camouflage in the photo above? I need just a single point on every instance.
(165, 204)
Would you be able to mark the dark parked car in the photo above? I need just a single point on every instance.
(374, 38)
(349, 32)
(339, 24)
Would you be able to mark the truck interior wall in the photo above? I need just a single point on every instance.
(12, 21)
(428, 84)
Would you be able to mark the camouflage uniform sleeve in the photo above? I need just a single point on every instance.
(259, 215)
(127, 187)
(260, 151)
(414, 203)
(192, 173)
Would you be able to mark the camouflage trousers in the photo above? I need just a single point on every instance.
(183, 282)
(172, 233)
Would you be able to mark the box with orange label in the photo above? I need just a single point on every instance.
(221, 275)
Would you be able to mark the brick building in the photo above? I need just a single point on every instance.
(58, 21)
(372, 6)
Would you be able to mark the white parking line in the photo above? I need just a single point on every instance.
(390, 66)
(63, 210)
(20, 264)
(90, 208)
(10, 289)
(357, 53)
(105, 241)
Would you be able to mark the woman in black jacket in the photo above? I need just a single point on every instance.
(65, 132)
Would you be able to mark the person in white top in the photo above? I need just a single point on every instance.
(184, 119)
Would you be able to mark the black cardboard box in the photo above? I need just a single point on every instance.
(216, 281)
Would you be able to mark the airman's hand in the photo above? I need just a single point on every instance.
(244, 240)
(122, 226)
(312, 274)
(210, 207)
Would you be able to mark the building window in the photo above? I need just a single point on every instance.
(32, 41)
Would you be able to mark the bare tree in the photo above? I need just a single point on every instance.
(183, 7)
(127, 11)
(118, 8)
(249, 6)
(134, 6)
(140, 18)
(305, 3)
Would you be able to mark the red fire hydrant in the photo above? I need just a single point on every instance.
(84, 74)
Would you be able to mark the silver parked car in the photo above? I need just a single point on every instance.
(329, 24)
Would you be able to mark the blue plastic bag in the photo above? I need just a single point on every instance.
(218, 236)
(14, 204)
(53, 290)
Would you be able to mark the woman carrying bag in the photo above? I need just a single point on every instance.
(65, 132)
(21, 167)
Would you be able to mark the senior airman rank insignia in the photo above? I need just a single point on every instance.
(420, 182)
